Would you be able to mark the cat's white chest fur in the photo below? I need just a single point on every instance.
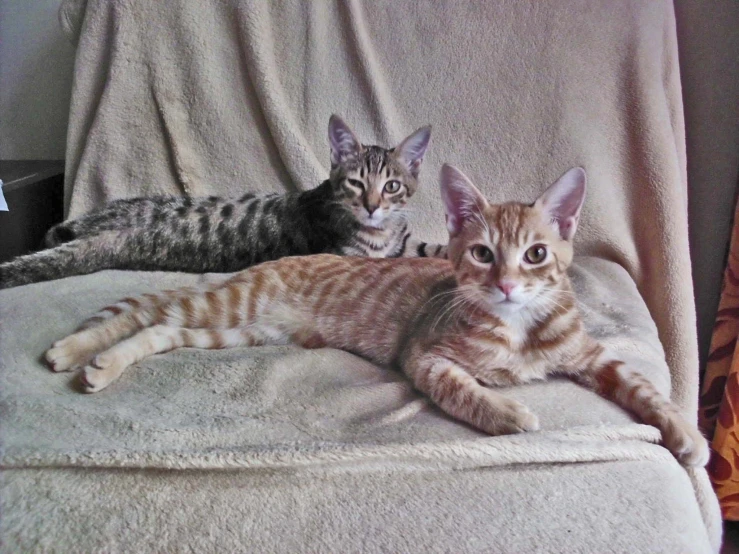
(512, 363)
(505, 367)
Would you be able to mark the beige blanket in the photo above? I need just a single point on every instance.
(184, 97)
(281, 450)
(287, 450)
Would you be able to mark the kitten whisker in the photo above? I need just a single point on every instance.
(449, 309)
(481, 219)
(465, 303)
(441, 295)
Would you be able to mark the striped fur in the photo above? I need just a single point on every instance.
(213, 234)
(457, 328)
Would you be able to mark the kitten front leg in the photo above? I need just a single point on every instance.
(628, 388)
(417, 249)
(459, 394)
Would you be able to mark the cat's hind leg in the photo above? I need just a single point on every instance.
(76, 350)
(102, 331)
(109, 365)
(132, 304)
(185, 307)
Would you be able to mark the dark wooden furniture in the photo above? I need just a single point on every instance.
(34, 190)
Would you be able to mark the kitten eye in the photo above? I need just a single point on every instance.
(535, 254)
(392, 186)
(356, 183)
(482, 254)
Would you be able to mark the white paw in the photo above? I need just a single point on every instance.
(103, 370)
(521, 419)
(508, 417)
(68, 354)
(686, 443)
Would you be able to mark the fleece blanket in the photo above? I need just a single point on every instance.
(187, 97)
(265, 449)
(283, 450)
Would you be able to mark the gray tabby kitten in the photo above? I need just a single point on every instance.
(358, 211)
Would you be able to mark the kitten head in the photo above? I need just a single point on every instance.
(512, 257)
(373, 181)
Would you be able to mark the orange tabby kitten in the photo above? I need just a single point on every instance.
(499, 312)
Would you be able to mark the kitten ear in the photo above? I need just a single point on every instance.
(344, 143)
(412, 149)
(462, 200)
(563, 200)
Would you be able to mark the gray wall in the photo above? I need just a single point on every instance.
(36, 64)
(708, 38)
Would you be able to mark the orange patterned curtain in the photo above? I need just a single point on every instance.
(719, 402)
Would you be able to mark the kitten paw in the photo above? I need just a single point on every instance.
(103, 370)
(509, 418)
(68, 354)
(686, 443)
(521, 419)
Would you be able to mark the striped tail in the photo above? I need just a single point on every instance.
(76, 257)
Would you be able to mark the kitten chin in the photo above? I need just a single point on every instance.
(517, 315)
(375, 223)
(508, 307)
(378, 222)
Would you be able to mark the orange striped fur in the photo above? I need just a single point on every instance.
(500, 311)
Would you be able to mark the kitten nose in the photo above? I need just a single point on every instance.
(506, 287)
(371, 209)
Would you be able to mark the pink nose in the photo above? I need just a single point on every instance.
(506, 287)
